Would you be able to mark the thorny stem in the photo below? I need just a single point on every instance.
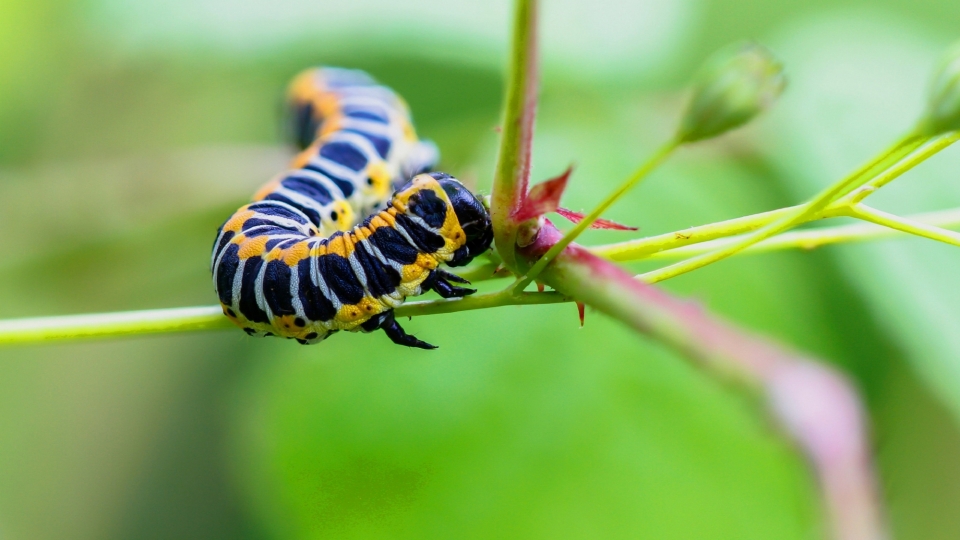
(813, 403)
(641, 173)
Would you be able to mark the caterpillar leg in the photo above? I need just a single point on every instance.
(394, 331)
(439, 281)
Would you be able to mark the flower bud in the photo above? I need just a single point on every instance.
(943, 105)
(735, 85)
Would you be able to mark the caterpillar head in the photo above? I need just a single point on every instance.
(473, 217)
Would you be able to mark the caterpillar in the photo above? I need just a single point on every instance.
(325, 247)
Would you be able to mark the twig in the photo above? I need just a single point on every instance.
(191, 319)
(808, 239)
(907, 225)
(802, 214)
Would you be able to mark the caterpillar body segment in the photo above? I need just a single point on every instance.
(357, 133)
(275, 275)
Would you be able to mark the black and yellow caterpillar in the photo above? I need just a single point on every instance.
(299, 263)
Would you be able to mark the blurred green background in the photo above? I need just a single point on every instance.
(130, 130)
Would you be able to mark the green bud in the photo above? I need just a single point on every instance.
(735, 85)
(943, 106)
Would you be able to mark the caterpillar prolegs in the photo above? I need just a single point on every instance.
(324, 247)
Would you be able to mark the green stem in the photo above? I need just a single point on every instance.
(513, 160)
(480, 272)
(478, 301)
(127, 323)
(642, 172)
(931, 147)
(651, 247)
(814, 238)
(633, 250)
(906, 225)
(802, 214)
(159, 321)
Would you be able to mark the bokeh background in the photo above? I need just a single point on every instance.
(130, 129)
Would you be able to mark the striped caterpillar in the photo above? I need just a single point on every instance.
(324, 247)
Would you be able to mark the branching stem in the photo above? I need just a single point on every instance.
(639, 175)
(814, 238)
(866, 213)
(799, 215)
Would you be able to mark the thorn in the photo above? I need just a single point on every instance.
(497, 129)
(543, 197)
(581, 308)
(539, 287)
(577, 217)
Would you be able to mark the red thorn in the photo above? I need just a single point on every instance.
(539, 287)
(543, 197)
(581, 308)
(577, 217)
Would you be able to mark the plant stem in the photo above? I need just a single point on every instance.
(814, 238)
(160, 321)
(916, 228)
(481, 272)
(478, 301)
(802, 214)
(932, 146)
(641, 173)
(650, 247)
(125, 323)
(928, 149)
(633, 250)
(513, 161)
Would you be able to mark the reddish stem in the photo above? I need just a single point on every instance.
(811, 401)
